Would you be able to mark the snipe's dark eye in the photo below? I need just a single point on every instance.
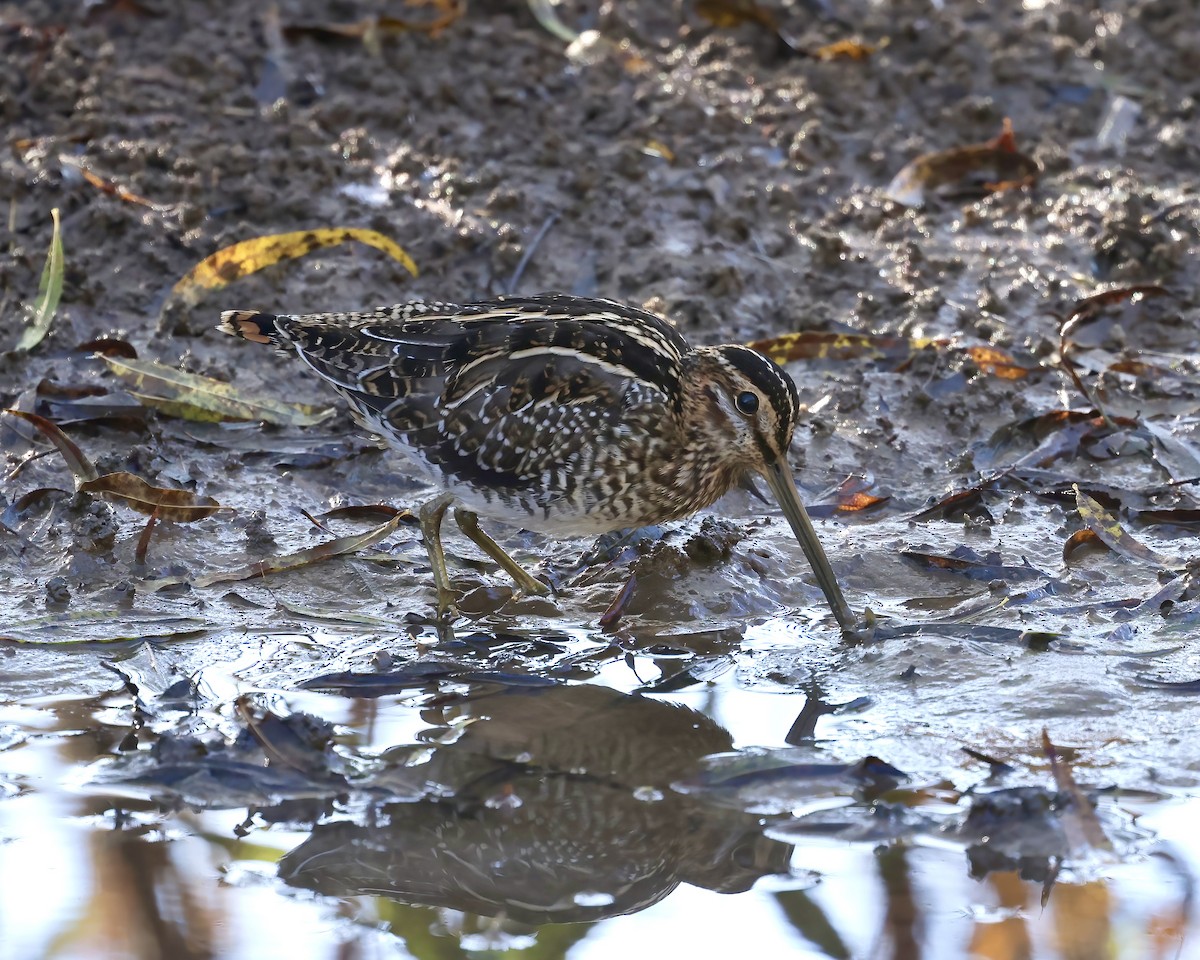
(747, 402)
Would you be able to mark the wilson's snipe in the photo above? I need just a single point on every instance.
(564, 415)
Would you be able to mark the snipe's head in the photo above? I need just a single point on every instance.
(742, 408)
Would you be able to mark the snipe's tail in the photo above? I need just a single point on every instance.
(251, 325)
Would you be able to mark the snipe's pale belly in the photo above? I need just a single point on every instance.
(536, 506)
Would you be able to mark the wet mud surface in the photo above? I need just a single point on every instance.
(303, 758)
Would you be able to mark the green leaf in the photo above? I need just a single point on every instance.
(203, 399)
(49, 292)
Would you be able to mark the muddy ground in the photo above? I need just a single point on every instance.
(714, 175)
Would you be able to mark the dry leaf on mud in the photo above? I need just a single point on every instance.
(127, 7)
(111, 187)
(107, 346)
(1178, 517)
(620, 604)
(959, 504)
(729, 14)
(164, 503)
(81, 467)
(369, 511)
(1109, 531)
(973, 565)
(370, 29)
(1009, 167)
(726, 14)
(823, 345)
(1079, 540)
(1086, 309)
(193, 397)
(291, 561)
(70, 403)
(844, 50)
(997, 363)
(852, 496)
(300, 746)
(249, 256)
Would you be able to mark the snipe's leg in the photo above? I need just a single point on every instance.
(431, 515)
(468, 523)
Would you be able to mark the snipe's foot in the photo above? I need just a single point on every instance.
(468, 523)
(431, 515)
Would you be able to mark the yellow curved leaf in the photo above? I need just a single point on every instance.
(249, 256)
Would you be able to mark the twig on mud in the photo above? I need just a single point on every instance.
(26, 461)
(1086, 310)
(529, 252)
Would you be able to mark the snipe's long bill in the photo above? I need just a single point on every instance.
(565, 415)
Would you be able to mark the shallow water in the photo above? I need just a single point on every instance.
(581, 818)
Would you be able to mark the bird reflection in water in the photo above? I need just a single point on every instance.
(553, 805)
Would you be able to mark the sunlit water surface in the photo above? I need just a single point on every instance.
(89, 874)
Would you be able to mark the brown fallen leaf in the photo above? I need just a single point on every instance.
(1140, 368)
(1109, 531)
(80, 466)
(53, 390)
(143, 544)
(729, 14)
(968, 563)
(87, 403)
(370, 29)
(997, 363)
(164, 503)
(823, 345)
(370, 511)
(284, 743)
(852, 496)
(112, 188)
(1179, 517)
(127, 7)
(844, 50)
(1080, 540)
(1011, 169)
(249, 256)
(726, 14)
(1086, 309)
(961, 503)
(620, 603)
(108, 347)
(1061, 434)
(291, 561)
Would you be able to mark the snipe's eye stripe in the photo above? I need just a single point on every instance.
(767, 376)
